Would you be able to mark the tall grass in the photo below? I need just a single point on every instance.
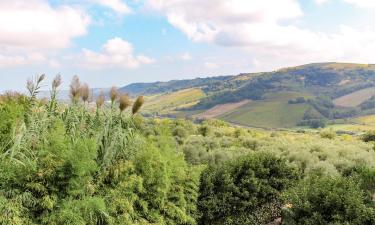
(68, 164)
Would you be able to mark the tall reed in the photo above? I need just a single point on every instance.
(75, 90)
(138, 104)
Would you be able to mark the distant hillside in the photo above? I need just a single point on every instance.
(329, 79)
(308, 95)
(171, 86)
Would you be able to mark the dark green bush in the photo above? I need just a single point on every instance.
(327, 200)
(11, 114)
(244, 191)
(369, 136)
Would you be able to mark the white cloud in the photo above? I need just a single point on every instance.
(320, 2)
(362, 3)
(266, 29)
(211, 65)
(15, 60)
(186, 56)
(200, 24)
(115, 52)
(31, 28)
(35, 24)
(358, 3)
(118, 6)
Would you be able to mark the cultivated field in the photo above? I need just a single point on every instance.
(368, 120)
(267, 114)
(274, 112)
(221, 109)
(170, 101)
(355, 98)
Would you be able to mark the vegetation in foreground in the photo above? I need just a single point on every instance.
(75, 164)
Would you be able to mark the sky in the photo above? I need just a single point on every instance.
(118, 42)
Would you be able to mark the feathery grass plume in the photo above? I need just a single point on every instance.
(30, 85)
(138, 104)
(33, 87)
(113, 94)
(124, 102)
(75, 88)
(91, 98)
(84, 92)
(100, 100)
(56, 82)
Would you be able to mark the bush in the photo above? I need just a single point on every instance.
(11, 113)
(245, 191)
(329, 134)
(299, 100)
(313, 123)
(365, 177)
(327, 200)
(369, 136)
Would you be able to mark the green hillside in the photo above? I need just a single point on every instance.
(269, 114)
(273, 112)
(166, 103)
(323, 92)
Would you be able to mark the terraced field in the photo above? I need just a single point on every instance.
(355, 98)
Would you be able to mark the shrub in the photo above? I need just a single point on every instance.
(369, 136)
(329, 134)
(327, 200)
(245, 191)
(11, 114)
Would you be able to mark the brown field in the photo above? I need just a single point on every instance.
(355, 98)
(220, 109)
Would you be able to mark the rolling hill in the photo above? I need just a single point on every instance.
(307, 95)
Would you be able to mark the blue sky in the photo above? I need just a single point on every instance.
(117, 42)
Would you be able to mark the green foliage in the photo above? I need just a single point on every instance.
(328, 133)
(12, 113)
(70, 164)
(369, 136)
(67, 165)
(298, 100)
(327, 200)
(244, 191)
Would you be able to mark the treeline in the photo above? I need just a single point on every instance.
(98, 162)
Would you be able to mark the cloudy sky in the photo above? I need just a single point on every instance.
(117, 42)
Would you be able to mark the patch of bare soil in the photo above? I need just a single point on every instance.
(221, 109)
(355, 98)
